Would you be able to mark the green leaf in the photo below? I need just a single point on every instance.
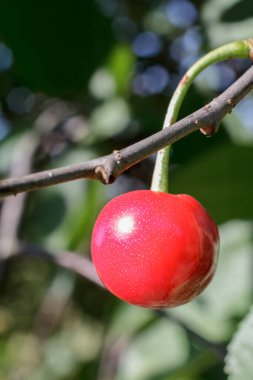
(161, 347)
(128, 320)
(228, 296)
(110, 118)
(237, 131)
(239, 363)
(227, 20)
(120, 64)
(102, 84)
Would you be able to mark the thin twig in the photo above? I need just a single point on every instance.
(12, 209)
(107, 168)
(69, 260)
(84, 267)
(53, 304)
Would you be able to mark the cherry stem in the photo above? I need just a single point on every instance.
(236, 49)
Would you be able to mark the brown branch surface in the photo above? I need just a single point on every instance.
(107, 168)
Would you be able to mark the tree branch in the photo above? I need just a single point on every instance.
(68, 260)
(84, 267)
(107, 168)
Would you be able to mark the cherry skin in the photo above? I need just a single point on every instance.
(154, 249)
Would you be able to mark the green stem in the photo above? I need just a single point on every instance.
(236, 49)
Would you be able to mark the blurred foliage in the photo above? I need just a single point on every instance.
(238, 360)
(78, 80)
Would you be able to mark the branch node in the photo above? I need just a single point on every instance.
(108, 168)
(210, 130)
(117, 156)
(207, 107)
(111, 179)
(231, 104)
(103, 175)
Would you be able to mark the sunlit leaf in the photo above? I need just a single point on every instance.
(239, 364)
(161, 347)
(128, 319)
(110, 118)
(228, 20)
(228, 296)
(120, 63)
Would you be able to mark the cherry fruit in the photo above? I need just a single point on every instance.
(154, 249)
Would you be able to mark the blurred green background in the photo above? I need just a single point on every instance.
(77, 80)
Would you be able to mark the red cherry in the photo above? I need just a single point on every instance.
(154, 249)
